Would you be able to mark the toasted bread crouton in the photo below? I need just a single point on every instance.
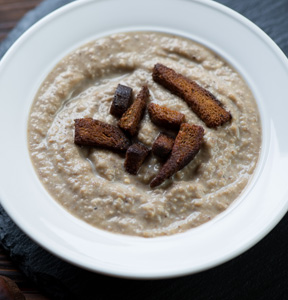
(202, 102)
(165, 117)
(135, 156)
(130, 120)
(121, 101)
(163, 145)
(187, 144)
(90, 132)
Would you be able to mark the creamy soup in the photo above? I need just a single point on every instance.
(92, 183)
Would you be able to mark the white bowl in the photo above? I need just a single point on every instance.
(251, 217)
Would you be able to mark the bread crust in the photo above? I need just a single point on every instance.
(203, 103)
(135, 156)
(162, 145)
(121, 101)
(95, 133)
(130, 120)
(165, 117)
(187, 144)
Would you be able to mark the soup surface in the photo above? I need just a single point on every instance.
(92, 184)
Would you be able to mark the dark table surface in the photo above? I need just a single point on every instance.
(11, 11)
(259, 273)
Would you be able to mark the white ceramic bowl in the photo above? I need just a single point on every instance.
(252, 216)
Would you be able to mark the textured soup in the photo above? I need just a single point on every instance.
(92, 183)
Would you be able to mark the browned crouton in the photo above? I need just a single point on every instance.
(130, 120)
(135, 156)
(163, 145)
(165, 117)
(121, 101)
(89, 132)
(187, 144)
(202, 102)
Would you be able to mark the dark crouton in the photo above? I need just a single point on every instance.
(163, 145)
(187, 144)
(135, 156)
(121, 101)
(130, 120)
(204, 104)
(89, 132)
(165, 117)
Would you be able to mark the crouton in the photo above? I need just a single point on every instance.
(130, 120)
(204, 104)
(121, 101)
(163, 145)
(165, 117)
(187, 144)
(94, 133)
(135, 156)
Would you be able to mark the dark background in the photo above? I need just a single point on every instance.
(259, 273)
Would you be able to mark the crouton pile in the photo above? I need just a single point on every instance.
(176, 153)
